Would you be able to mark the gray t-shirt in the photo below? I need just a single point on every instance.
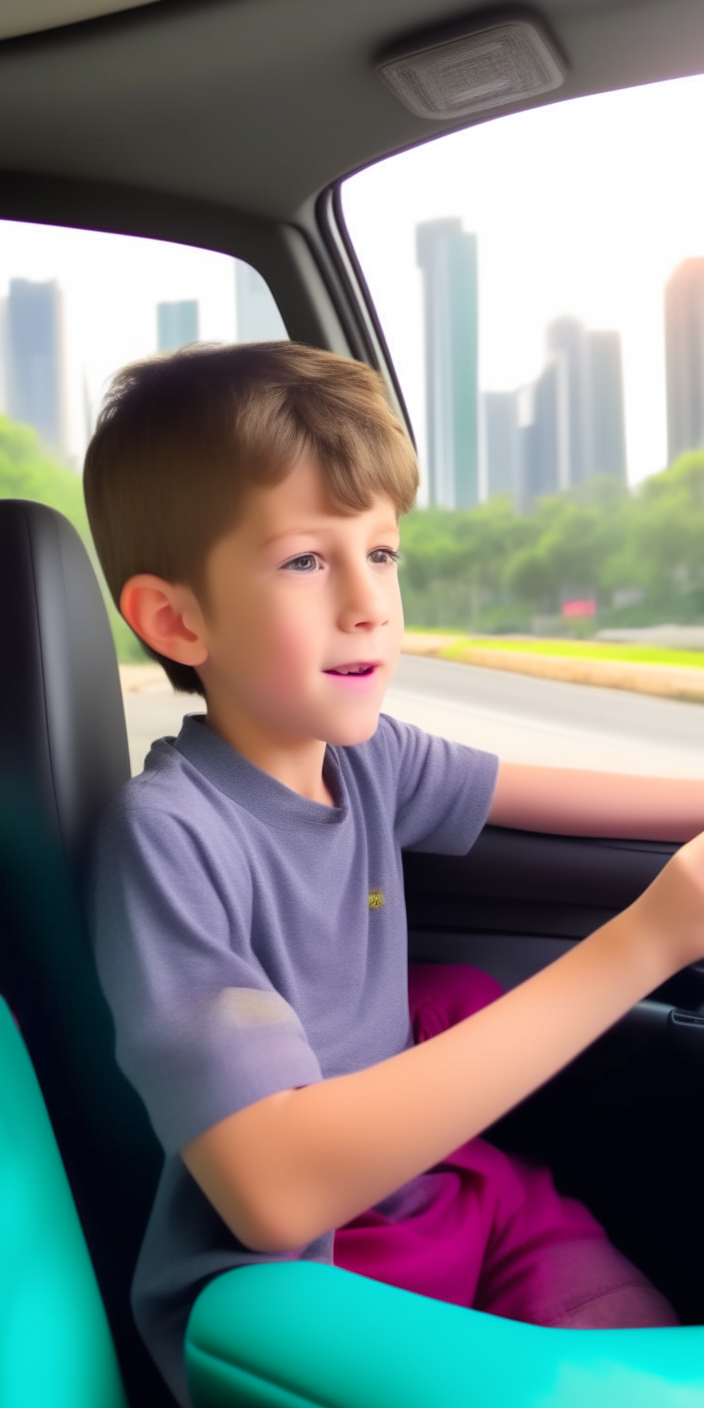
(250, 940)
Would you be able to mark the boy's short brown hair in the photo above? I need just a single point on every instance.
(180, 438)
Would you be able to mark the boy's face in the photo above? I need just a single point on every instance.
(302, 620)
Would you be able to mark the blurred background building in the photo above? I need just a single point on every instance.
(448, 260)
(606, 427)
(543, 462)
(500, 416)
(684, 357)
(257, 317)
(566, 427)
(177, 324)
(33, 359)
(566, 347)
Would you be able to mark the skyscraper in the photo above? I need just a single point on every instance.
(596, 441)
(684, 357)
(257, 316)
(543, 435)
(501, 442)
(552, 421)
(34, 359)
(448, 259)
(566, 339)
(571, 420)
(606, 448)
(177, 324)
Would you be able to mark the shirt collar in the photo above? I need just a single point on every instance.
(252, 788)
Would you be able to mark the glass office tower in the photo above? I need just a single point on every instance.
(448, 259)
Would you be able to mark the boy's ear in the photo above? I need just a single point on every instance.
(166, 616)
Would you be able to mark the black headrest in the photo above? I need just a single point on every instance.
(62, 725)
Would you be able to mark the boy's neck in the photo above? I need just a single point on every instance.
(297, 763)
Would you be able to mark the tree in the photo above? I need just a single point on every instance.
(491, 568)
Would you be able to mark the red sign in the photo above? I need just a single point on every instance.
(585, 607)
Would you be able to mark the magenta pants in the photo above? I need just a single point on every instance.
(487, 1229)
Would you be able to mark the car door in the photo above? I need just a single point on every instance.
(621, 1126)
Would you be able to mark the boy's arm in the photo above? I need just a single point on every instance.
(290, 1167)
(569, 801)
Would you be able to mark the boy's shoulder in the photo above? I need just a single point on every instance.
(169, 794)
(166, 781)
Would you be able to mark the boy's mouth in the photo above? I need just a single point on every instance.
(357, 675)
(360, 668)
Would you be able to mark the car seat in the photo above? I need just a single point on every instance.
(55, 1342)
(63, 753)
(284, 1335)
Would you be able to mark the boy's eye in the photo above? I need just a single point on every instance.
(307, 562)
(382, 556)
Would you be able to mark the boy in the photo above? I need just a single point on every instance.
(248, 901)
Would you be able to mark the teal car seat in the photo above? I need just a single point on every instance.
(290, 1334)
(55, 1343)
(298, 1334)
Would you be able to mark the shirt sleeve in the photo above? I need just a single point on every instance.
(444, 792)
(201, 1031)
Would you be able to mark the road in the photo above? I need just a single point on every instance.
(520, 718)
(530, 720)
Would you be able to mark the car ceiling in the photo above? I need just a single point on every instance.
(29, 16)
(257, 105)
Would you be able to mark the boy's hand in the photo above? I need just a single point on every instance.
(292, 1166)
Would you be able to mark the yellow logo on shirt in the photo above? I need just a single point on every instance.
(376, 899)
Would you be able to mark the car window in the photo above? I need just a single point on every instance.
(76, 305)
(540, 283)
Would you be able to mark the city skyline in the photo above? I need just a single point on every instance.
(111, 287)
(583, 207)
(496, 409)
(557, 432)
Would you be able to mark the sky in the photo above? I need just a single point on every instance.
(583, 207)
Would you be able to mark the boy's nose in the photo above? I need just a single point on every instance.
(363, 603)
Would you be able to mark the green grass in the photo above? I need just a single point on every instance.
(578, 650)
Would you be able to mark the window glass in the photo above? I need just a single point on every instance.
(76, 305)
(540, 282)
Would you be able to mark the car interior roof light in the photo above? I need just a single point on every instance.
(463, 73)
